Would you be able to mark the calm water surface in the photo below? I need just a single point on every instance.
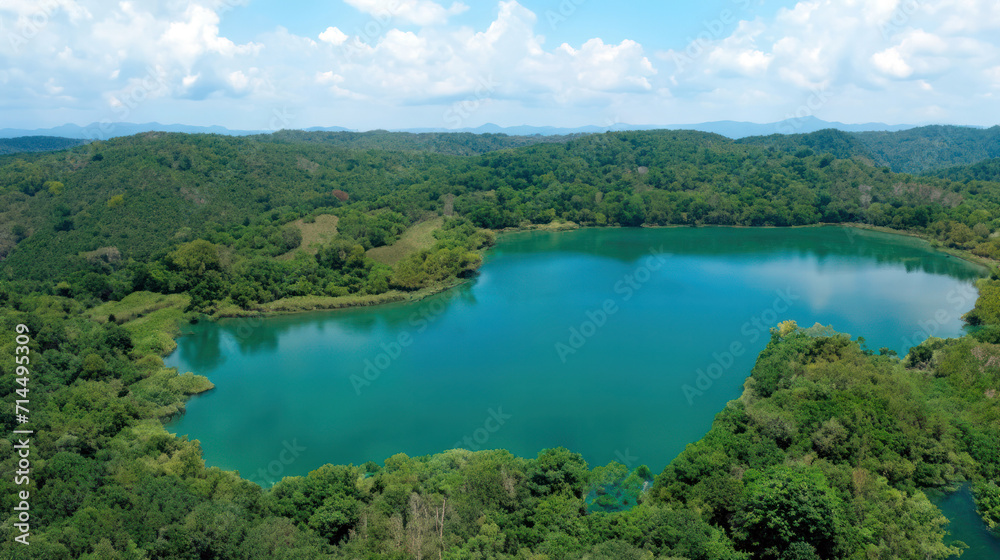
(968, 527)
(592, 340)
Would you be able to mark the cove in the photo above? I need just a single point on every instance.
(620, 344)
(966, 525)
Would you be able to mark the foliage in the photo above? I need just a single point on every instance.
(830, 445)
(917, 150)
(825, 455)
(36, 144)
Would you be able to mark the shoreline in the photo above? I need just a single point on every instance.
(309, 304)
(408, 297)
(933, 243)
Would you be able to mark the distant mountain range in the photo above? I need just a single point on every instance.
(104, 131)
(731, 129)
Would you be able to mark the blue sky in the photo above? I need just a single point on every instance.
(655, 23)
(363, 64)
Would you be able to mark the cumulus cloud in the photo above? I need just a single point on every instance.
(601, 67)
(895, 60)
(196, 34)
(434, 65)
(333, 36)
(866, 59)
(890, 62)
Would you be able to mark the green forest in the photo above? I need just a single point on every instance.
(36, 144)
(107, 248)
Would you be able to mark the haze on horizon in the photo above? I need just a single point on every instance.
(365, 64)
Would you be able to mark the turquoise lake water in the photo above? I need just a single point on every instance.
(620, 344)
(968, 527)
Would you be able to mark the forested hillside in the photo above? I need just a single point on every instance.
(916, 150)
(105, 218)
(987, 170)
(825, 456)
(453, 143)
(108, 246)
(36, 144)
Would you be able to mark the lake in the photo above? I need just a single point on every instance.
(620, 344)
(966, 526)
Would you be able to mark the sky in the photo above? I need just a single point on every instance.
(367, 64)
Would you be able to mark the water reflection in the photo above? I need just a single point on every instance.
(207, 344)
(490, 345)
(820, 243)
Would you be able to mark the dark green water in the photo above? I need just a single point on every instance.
(967, 526)
(593, 340)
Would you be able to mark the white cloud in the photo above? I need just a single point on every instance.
(891, 63)
(238, 80)
(404, 46)
(328, 78)
(849, 60)
(435, 65)
(198, 34)
(418, 12)
(52, 87)
(333, 36)
(866, 59)
(39, 12)
(609, 68)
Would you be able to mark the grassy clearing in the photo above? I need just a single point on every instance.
(314, 234)
(311, 303)
(152, 319)
(554, 225)
(320, 303)
(418, 237)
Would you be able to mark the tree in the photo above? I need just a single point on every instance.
(19, 232)
(196, 257)
(559, 471)
(93, 365)
(633, 211)
(788, 505)
(117, 338)
(291, 237)
(55, 188)
(336, 517)
(337, 253)
(97, 285)
(960, 234)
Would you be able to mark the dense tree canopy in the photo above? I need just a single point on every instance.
(107, 247)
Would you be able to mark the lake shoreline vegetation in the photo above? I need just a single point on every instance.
(109, 248)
